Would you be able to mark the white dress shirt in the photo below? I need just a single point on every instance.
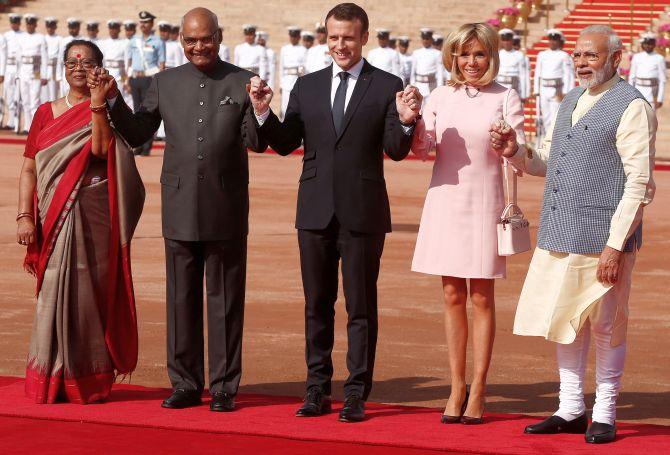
(174, 54)
(224, 53)
(250, 56)
(426, 62)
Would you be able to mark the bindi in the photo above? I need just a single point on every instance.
(78, 55)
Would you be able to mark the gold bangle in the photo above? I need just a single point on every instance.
(102, 107)
(25, 215)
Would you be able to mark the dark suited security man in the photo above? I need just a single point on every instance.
(347, 114)
(209, 124)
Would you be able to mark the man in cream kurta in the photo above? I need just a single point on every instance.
(575, 292)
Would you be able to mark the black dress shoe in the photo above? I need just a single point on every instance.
(555, 424)
(316, 404)
(600, 433)
(181, 399)
(353, 409)
(447, 419)
(222, 402)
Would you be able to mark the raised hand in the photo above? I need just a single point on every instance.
(408, 104)
(260, 94)
(503, 139)
(102, 85)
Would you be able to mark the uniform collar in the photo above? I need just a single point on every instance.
(354, 72)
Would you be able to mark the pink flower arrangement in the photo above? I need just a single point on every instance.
(493, 22)
(664, 28)
(663, 42)
(624, 71)
(508, 11)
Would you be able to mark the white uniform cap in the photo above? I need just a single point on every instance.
(163, 23)
(320, 26)
(307, 34)
(14, 16)
(246, 27)
(128, 22)
(113, 22)
(516, 37)
(30, 17)
(50, 19)
(555, 31)
(506, 31)
(437, 37)
(262, 34)
(293, 29)
(403, 38)
(426, 30)
(649, 36)
(92, 22)
(382, 30)
(73, 21)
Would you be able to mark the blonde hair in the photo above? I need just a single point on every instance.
(458, 39)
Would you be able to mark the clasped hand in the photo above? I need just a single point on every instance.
(102, 85)
(408, 104)
(503, 139)
(260, 93)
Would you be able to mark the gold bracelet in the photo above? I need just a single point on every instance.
(25, 215)
(102, 107)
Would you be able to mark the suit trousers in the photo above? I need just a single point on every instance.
(320, 254)
(223, 265)
(139, 86)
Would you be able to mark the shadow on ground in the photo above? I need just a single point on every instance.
(510, 398)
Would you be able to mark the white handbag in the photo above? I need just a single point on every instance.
(512, 228)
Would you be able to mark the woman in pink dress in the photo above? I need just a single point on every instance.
(457, 236)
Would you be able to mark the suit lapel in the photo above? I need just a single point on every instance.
(361, 87)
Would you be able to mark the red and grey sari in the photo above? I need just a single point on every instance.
(85, 328)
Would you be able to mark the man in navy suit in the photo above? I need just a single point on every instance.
(346, 116)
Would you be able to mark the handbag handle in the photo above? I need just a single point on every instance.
(513, 200)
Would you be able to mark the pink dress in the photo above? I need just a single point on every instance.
(457, 236)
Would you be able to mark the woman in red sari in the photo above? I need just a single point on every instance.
(80, 198)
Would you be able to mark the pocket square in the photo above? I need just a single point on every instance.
(227, 100)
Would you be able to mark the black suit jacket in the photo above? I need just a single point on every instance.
(209, 124)
(342, 175)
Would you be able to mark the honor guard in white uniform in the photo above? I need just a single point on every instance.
(270, 58)
(307, 39)
(92, 31)
(318, 56)
(512, 72)
(393, 42)
(164, 29)
(224, 52)
(73, 29)
(405, 59)
(174, 53)
(129, 30)
(11, 91)
(383, 57)
(54, 47)
(3, 67)
(33, 59)
(249, 55)
(427, 67)
(291, 64)
(647, 71)
(115, 51)
(438, 43)
(554, 77)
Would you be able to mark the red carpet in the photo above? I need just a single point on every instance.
(133, 420)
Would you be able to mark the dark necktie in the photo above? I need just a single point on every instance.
(338, 103)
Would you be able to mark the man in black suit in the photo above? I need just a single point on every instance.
(209, 124)
(346, 115)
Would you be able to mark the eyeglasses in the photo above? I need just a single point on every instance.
(86, 63)
(206, 41)
(589, 56)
